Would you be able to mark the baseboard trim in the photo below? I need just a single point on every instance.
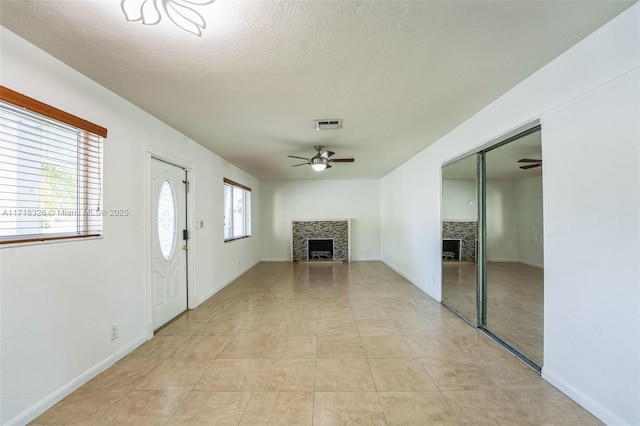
(127, 349)
(524, 262)
(533, 265)
(213, 292)
(406, 277)
(276, 259)
(586, 402)
(148, 333)
(59, 394)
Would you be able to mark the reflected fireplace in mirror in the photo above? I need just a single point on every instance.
(451, 249)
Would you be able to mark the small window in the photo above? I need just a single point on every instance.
(167, 225)
(50, 172)
(237, 210)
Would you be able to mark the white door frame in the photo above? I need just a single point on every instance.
(151, 153)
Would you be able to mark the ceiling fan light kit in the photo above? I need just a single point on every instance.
(319, 163)
(321, 160)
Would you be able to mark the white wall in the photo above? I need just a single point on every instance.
(459, 200)
(530, 221)
(59, 300)
(285, 201)
(514, 216)
(217, 263)
(592, 321)
(588, 103)
(502, 221)
(514, 221)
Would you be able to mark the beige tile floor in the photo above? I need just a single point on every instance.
(318, 344)
(515, 301)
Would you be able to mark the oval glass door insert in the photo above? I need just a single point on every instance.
(167, 220)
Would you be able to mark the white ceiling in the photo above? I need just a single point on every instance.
(400, 73)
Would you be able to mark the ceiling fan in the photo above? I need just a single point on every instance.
(321, 160)
(534, 163)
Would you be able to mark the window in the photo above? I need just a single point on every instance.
(237, 210)
(50, 172)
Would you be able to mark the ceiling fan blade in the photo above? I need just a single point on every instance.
(328, 166)
(529, 160)
(531, 166)
(342, 160)
(327, 154)
(301, 164)
(299, 158)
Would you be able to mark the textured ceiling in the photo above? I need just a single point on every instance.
(400, 74)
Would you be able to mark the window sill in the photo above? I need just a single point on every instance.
(237, 238)
(48, 240)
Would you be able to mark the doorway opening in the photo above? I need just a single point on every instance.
(169, 235)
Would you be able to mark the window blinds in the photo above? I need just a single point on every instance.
(50, 178)
(237, 210)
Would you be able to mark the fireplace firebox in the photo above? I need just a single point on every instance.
(320, 249)
(451, 249)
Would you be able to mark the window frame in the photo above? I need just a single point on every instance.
(87, 133)
(245, 218)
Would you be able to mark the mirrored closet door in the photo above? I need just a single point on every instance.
(460, 237)
(496, 196)
(514, 246)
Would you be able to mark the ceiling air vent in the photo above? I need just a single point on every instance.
(326, 124)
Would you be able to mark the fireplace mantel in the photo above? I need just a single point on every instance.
(337, 229)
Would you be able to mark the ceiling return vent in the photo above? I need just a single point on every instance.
(329, 124)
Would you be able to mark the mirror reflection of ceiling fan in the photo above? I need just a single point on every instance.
(321, 160)
(534, 163)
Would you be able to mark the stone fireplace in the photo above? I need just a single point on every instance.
(466, 233)
(320, 240)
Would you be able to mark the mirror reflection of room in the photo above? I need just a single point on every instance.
(513, 291)
(460, 237)
(514, 229)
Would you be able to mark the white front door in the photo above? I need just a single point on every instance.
(168, 248)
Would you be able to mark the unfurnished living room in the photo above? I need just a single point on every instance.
(319, 212)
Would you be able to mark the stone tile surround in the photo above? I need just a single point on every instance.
(336, 229)
(465, 231)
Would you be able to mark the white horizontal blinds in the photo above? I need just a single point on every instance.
(237, 210)
(228, 211)
(50, 178)
(247, 215)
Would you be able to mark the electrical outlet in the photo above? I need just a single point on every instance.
(113, 332)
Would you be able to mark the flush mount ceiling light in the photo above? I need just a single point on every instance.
(180, 12)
